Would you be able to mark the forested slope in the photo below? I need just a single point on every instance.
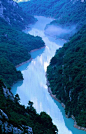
(12, 13)
(67, 76)
(66, 12)
(14, 48)
(15, 45)
(20, 117)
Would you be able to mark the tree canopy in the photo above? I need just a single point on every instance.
(20, 115)
(67, 76)
(15, 46)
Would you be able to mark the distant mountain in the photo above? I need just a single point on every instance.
(66, 12)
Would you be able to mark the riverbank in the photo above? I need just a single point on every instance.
(63, 105)
(30, 58)
(23, 63)
(52, 95)
(36, 49)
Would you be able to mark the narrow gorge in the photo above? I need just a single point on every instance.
(42, 63)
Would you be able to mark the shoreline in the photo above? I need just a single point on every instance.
(30, 58)
(23, 63)
(52, 95)
(63, 105)
(36, 49)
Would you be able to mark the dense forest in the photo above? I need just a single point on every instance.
(65, 12)
(14, 48)
(67, 76)
(12, 13)
(20, 115)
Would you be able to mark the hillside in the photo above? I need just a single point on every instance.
(14, 46)
(67, 76)
(66, 12)
(18, 119)
(13, 14)
(66, 72)
(14, 51)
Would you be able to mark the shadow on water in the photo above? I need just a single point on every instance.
(24, 66)
(34, 55)
(15, 86)
(37, 53)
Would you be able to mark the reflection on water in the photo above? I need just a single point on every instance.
(37, 53)
(34, 84)
(15, 86)
(24, 66)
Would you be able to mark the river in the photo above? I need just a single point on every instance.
(34, 87)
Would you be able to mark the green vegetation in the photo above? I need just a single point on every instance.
(8, 72)
(66, 12)
(15, 45)
(45, 8)
(14, 15)
(19, 115)
(14, 48)
(67, 76)
(74, 14)
(67, 70)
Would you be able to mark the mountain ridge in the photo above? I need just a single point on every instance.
(64, 11)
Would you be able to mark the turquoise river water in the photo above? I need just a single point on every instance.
(34, 87)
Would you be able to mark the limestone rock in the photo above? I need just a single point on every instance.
(8, 94)
(4, 116)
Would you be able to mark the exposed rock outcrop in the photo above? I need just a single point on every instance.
(6, 127)
(13, 14)
(8, 94)
(68, 115)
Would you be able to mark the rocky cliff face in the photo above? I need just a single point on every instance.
(5, 126)
(13, 14)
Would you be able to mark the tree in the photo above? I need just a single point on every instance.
(30, 108)
(17, 99)
(30, 104)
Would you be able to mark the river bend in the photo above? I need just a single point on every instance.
(34, 88)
